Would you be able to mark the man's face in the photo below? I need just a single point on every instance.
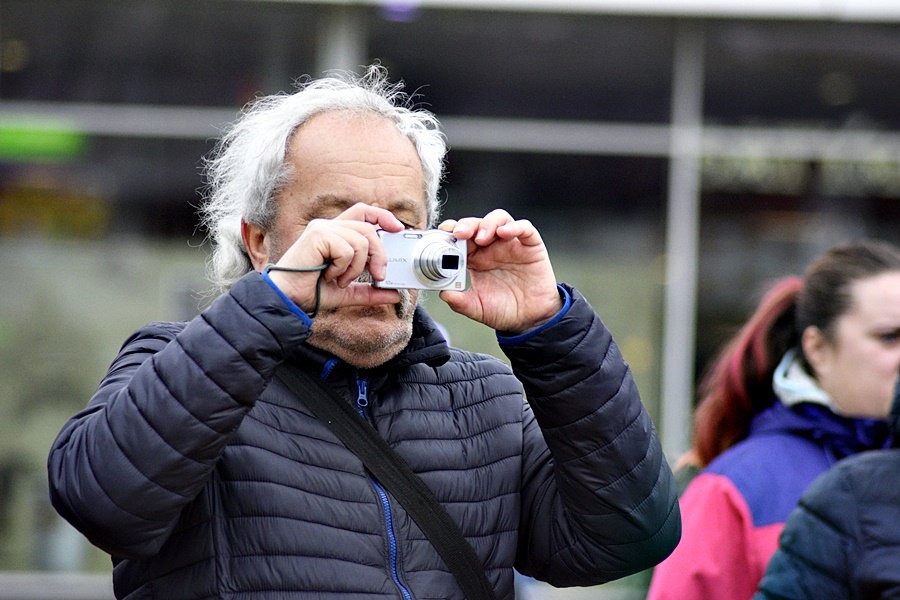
(340, 159)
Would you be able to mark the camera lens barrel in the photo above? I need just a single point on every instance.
(438, 261)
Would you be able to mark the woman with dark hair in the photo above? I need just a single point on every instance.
(807, 381)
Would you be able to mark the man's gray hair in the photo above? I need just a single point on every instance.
(247, 169)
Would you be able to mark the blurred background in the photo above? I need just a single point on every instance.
(676, 155)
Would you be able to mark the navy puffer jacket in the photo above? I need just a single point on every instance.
(204, 477)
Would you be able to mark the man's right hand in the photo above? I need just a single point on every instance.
(350, 246)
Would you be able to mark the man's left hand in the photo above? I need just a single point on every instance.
(512, 285)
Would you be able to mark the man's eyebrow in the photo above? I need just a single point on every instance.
(331, 201)
(326, 201)
(410, 206)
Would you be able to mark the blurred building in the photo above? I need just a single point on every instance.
(676, 155)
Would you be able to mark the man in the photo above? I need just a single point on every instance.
(203, 476)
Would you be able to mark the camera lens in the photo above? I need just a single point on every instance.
(450, 262)
(438, 261)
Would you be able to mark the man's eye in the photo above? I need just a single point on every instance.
(405, 224)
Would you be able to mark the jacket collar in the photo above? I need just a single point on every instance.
(427, 345)
(894, 417)
(841, 436)
(793, 385)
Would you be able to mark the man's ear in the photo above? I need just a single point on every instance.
(255, 243)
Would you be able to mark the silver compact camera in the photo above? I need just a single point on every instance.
(424, 259)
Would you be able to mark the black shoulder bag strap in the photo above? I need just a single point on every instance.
(396, 476)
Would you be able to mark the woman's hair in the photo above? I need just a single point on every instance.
(738, 384)
(247, 169)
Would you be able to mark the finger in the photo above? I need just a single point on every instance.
(523, 230)
(482, 230)
(357, 262)
(368, 251)
(465, 228)
(377, 257)
(365, 294)
(447, 225)
(487, 229)
(339, 252)
(356, 294)
(349, 246)
(375, 215)
(374, 257)
(499, 215)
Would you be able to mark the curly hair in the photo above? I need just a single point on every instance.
(248, 168)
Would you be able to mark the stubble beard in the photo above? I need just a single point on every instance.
(365, 337)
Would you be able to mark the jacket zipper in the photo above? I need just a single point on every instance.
(362, 404)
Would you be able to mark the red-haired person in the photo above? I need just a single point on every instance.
(806, 382)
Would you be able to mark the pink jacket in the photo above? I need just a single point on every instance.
(734, 510)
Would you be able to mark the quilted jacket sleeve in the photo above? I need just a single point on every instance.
(599, 500)
(122, 469)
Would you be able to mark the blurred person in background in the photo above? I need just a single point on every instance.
(806, 382)
(204, 476)
(843, 539)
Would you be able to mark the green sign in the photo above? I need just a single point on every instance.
(39, 141)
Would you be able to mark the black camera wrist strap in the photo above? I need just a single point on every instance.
(395, 475)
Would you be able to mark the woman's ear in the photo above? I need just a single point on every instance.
(255, 244)
(816, 348)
